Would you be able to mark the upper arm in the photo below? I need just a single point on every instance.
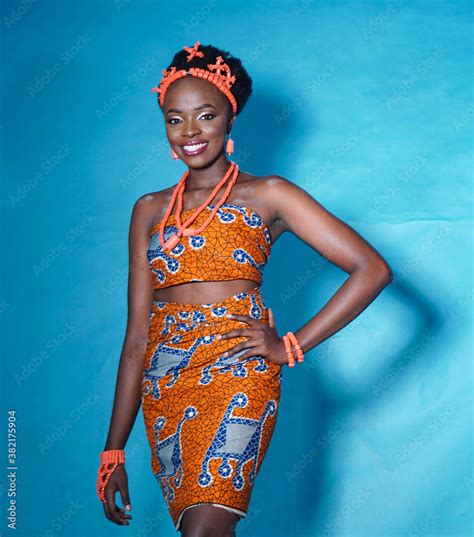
(300, 213)
(140, 278)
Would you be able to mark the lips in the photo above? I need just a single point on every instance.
(194, 148)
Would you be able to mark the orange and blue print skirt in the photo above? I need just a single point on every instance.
(209, 418)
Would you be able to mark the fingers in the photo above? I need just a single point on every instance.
(123, 516)
(255, 323)
(271, 319)
(238, 332)
(247, 344)
(125, 497)
(114, 513)
(244, 318)
(257, 326)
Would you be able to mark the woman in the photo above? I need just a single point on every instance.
(201, 353)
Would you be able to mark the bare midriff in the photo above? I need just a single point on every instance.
(203, 292)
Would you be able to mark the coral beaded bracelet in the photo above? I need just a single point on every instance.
(108, 457)
(290, 340)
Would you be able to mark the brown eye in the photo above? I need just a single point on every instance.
(211, 116)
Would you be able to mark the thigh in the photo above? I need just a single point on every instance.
(208, 521)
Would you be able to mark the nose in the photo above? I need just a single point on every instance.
(190, 128)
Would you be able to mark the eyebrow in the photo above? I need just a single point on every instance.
(207, 105)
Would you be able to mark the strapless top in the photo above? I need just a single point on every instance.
(235, 245)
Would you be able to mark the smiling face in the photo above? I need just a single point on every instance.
(196, 111)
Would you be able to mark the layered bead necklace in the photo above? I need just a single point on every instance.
(183, 229)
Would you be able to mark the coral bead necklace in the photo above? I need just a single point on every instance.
(184, 229)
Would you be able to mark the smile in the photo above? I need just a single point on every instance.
(194, 149)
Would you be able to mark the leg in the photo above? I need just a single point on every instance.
(208, 521)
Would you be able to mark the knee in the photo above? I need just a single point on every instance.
(207, 529)
(208, 521)
(203, 528)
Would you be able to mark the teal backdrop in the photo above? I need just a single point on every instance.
(368, 106)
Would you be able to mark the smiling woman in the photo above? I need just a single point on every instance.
(230, 88)
(202, 354)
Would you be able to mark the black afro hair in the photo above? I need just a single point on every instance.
(241, 88)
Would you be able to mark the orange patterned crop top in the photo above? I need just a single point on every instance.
(235, 245)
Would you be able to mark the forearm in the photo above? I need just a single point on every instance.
(354, 295)
(127, 398)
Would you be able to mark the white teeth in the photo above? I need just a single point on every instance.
(193, 147)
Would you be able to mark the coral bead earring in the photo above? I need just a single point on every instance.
(229, 146)
(174, 155)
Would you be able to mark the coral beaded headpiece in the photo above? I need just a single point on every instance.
(218, 74)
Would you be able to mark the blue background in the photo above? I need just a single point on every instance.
(366, 105)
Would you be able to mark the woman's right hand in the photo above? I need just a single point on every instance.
(118, 482)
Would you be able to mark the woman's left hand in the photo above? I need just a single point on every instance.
(263, 339)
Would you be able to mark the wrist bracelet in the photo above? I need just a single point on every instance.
(297, 346)
(289, 351)
(291, 343)
(108, 457)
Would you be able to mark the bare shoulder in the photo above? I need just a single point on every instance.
(298, 211)
(151, 198)
(269, 192)
(275, 185)
(294, 209)
(286, 201)
(148, 207)
(257, 192)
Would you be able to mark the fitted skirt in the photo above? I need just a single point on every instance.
(209, 418)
